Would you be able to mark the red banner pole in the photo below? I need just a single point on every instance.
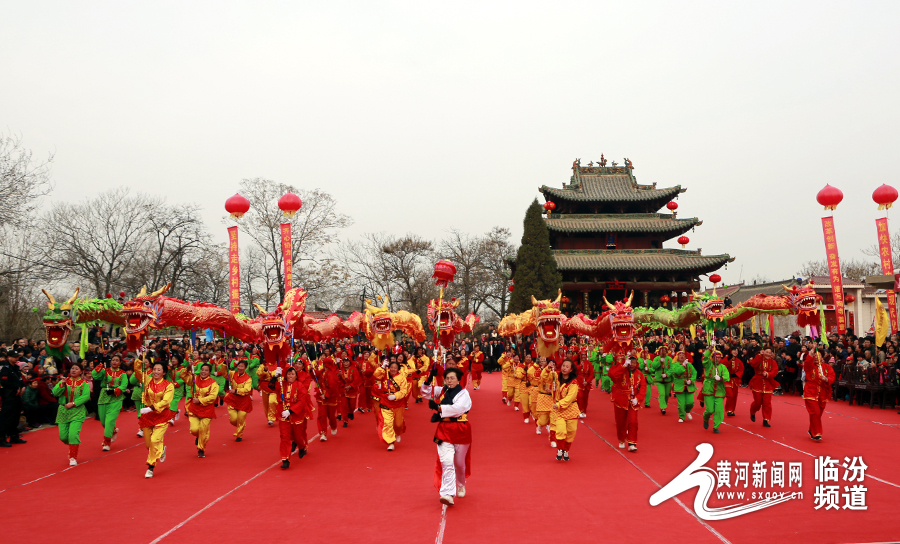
(286, 251)
(234, 272)
(834, 273)
(887, 266)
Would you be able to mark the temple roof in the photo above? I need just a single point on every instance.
(623, 222)
(609, 184)
(638, 259)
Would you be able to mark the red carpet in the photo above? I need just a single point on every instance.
(350, 489)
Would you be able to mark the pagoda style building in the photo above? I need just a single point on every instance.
(607, 237)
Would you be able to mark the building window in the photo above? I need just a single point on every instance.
(611, 240)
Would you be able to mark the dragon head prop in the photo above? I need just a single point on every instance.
(544, 319)
(142, 312)
(621, 321)
(58, 320)
(380, 323)
(277, 326)
(712, 307)
(443, 320)
(804, 301)
(548, 320)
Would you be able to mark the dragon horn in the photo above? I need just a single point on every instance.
(385, 306)
(143, 291)
(558, 297)
(533, 301)
(783, 286)
(258, 308)
(161, 290)
(71, 300)
(611, 307)
(50, 298)
(630, 297)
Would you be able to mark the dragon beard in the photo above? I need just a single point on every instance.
(383, 341)
(135, 341)
(545, 349)
(807, 320)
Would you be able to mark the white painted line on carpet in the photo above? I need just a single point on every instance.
(677, 500)
(80, 463)
(440, 535)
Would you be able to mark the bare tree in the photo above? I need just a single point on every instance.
(22, 180)
(496, 249)
(875, 251)
(100, 239)
(313, 228)
(852, 268)
(207, 277)
(21, 276)
(467, 253)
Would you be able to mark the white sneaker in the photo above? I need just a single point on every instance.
(333, 432)
(172, 421)
(517, 408)
(390, 447)
(582, 415)
(621, 445)
(140, 433)
(114, 436)
(105, 447)
(148, 474)
(163, 456)
(72, 462)
(271, 423)
(398, 439)
(680, 420)
(177, 416)
(322, 437)
(690, 417)
(553, 444)
(526, 420)
(447, 499)
(537, 430)
(632, 447)
(461, 491)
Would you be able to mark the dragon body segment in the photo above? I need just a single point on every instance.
(544, 319)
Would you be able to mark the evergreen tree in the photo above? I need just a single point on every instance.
(536, 272)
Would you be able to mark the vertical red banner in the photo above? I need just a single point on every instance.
(234, 272)
(834, 274)
(887, 266)
(288, 258)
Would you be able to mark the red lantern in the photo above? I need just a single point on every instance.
(237, 206)
(683, 240)
(549, 206)
(290, 204)
(715, 278)
(511, 288)
(444, 271)
(850, 298)
(564, 300)
(672, 206)
(885, 196)
(830, 197)
(664, 299)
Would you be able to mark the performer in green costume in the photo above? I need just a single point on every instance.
(72, 393)
(112, 382)
(715, 375)
(662, 376)
(685, 376)
(645, 363)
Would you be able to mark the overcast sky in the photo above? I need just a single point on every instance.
(426, 116)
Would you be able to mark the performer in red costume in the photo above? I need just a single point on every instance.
(585, 382)
(735, 371)
(628, 388)
(477, 359)
(328, 394)
(763, 384)
(453, 435)
(351, 379)
(294, 409)
(817, 391)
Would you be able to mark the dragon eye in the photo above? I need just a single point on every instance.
(65, 313)
(146, 303)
